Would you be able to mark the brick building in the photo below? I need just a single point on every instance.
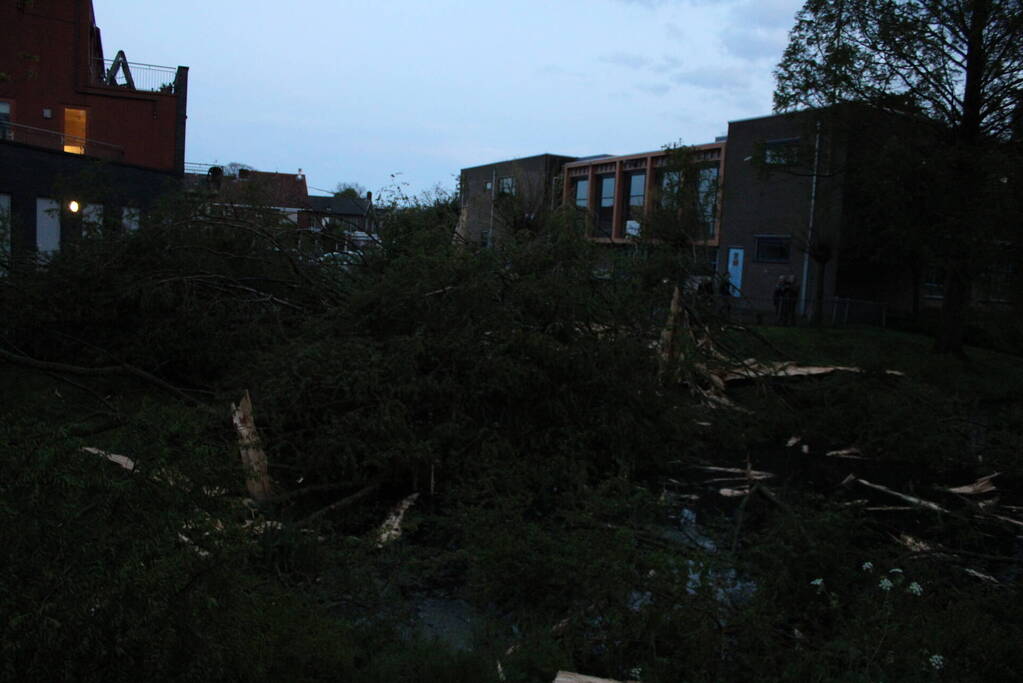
(507, 194)
(75, 126)
(618, 195)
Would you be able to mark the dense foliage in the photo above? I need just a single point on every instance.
(519, 392)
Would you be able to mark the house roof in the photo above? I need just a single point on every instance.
(342, 206)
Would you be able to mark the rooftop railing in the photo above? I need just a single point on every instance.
(40, 137)
(121, 73)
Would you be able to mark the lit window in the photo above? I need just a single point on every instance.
(773, 248)
(74, 130)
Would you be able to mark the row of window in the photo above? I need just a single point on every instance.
(669, 184)
(505, 185)
(50, 217)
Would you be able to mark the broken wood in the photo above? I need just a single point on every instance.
(752, 369)
(122, 460)
(851, 453)
(569, 677)
(745, 474)
(982, 485)
(257, 475)
(390, 530)
(919, 502)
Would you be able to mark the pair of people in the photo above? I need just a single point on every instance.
(785, 294)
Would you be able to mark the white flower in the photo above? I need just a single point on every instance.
(885, 584)
(817, 582)
(915, 588)
(867, 566)
(937, 662)
(895, 571)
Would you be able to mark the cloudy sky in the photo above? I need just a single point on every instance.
(414, 90)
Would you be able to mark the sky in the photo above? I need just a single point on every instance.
(404, 93)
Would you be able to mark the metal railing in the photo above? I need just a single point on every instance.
(197, 168)
(40, 137)
(137, 76)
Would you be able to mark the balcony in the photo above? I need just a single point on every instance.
(120, 73)
(40, 137)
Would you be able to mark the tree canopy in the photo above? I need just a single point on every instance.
(955, 68)
(957, 62)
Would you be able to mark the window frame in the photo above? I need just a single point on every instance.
(760, 240)
(781, 151)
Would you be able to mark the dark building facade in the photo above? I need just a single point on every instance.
(505, 195)
(782, 196)
(794, 207)
(80, 134)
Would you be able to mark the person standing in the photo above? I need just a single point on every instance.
(779, 289)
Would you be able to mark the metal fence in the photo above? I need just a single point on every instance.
(146, 77)
(40, 137)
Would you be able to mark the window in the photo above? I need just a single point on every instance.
(488, 186)
(707, 197)
(130, 218)
(671, 189)
(934, 282)
(637, 199)
(605, 214)
(637, 189)
(506, 185)
(773, 248)
(47, 226)
(74, 130)
(582, 193)
(92, 219)
(781, 152)
(6, 132)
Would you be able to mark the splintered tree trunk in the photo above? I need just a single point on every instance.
(257, 476)
(954, 309)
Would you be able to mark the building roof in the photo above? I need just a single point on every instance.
(520, 159)
(281, 190)
(342, 206)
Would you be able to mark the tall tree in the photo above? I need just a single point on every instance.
(955, 65)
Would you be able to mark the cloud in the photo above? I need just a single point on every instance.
(629, 60)
(753, 43)
(667, 63)
(658, 89)
(758, 29)
(713, 78)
